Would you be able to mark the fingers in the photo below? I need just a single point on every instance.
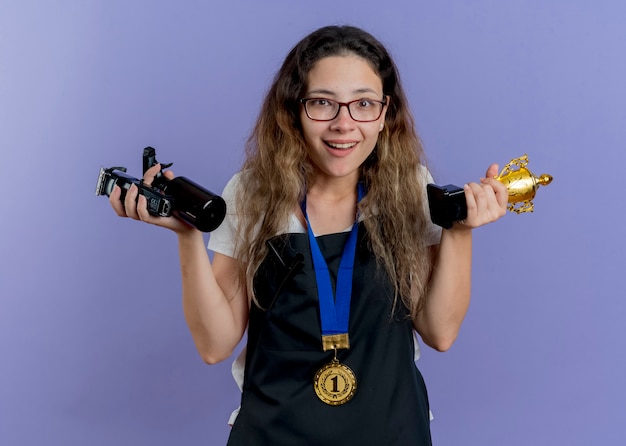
(500, 191)
(502, 194)
(486, 202)
(130, 202)
(168, 174)
(129, 207)
(116, 203)
(135, 204)
(480, 199)
(148, 176)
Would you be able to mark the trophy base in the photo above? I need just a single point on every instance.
(447, 204)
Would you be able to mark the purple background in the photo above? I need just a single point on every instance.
(93, 345)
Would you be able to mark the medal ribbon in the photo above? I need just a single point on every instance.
(334, 312)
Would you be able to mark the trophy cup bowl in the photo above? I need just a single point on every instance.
(447, 203)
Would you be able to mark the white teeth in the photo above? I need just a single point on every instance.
(341, 146)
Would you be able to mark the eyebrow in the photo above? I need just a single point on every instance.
(323, 91)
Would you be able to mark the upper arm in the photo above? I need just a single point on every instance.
(433, 253)
(229, 279)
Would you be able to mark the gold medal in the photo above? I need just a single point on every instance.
(335, 383)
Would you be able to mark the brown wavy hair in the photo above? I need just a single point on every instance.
(277, 167)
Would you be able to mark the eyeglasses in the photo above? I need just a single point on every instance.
(361, 110)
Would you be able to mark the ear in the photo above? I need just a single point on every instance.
(382, 122)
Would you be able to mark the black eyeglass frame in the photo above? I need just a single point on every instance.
(384, 102)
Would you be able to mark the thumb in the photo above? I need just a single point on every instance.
(492, 171)
(149, 175)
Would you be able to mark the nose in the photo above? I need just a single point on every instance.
(343, 120)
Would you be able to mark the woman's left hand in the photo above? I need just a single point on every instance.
(486, 201)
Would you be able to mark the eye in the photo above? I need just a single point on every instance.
(320, 103)
(365, 103)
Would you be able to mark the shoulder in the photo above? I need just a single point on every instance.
(236, 188)
(227, 235)
(424, 175)
(232, 186)
(224, 238)
(432, 233)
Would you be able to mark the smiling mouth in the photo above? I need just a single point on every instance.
(343, 146)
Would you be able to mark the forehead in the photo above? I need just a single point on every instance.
(341, 75)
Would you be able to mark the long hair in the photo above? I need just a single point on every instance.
(277, 167)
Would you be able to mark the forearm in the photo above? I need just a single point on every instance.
(215, 311)
(448, 296)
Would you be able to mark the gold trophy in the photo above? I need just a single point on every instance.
(447, 203)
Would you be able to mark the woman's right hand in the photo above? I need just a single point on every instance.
(135, 205)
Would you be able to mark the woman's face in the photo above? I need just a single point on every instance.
(338, 147)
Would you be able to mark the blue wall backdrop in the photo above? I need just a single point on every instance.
(93, 345)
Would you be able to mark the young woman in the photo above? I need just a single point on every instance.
(327, 256)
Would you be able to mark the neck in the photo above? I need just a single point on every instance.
(333, 188)
(331, 204)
